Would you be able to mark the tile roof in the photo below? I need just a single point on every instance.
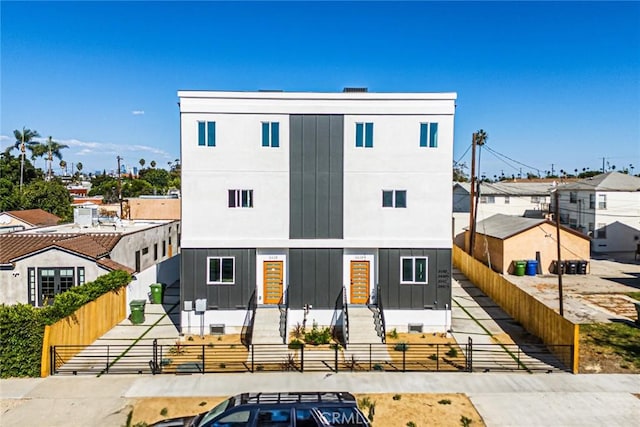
(35, 217)
(610, 181)
(94, 245)
(112, 265)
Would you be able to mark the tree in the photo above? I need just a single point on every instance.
(23, 139)
(9, 195)
(142, 162)
(459, 174)
(50, 196)
(63, 166)
(79, 166)
(158, 178)
(10, 169)
(52, 148)
(136, 187)
(153, 163)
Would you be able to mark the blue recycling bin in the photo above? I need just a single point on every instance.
(532, 267)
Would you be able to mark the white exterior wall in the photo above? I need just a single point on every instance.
(124, 251)
(14, 288)
(622, 217)
(517, 206)
(431, 320)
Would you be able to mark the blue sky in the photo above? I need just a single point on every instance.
(549, 82)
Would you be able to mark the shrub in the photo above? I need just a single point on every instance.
(397, 397)
(364, 402)
(295, 344)
(411, 424)
(318, 335)
(22, 325)
(401, 346)
(378, 367)
(433, 357)
(465, 421)
(452, 352)
(444, 402)
(393, 334)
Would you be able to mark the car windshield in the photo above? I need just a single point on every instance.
(217, 410)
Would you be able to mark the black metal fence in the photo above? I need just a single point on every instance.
(182, 358)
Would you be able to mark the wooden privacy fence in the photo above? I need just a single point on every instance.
(84, 326)
(560, 334)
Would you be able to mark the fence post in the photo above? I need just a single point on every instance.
(370, 357)
(52, 360)
(438, 357)
(336, 358)
(203, 364)
(404, 356)
(302, 358)
(252, 351)
(107, 370)
(154, 362)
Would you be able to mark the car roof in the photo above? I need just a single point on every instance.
(295, 397)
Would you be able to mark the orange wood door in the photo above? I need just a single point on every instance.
(359, 282)
(272, 282)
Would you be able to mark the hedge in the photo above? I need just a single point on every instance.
(22, 325)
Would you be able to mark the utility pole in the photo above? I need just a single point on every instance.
(559, 266)
(603, 165)
(120, 185)
(552, 171)
(473, 192)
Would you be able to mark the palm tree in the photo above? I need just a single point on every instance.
(63, 167)
(22, 139)
(53, 148)
(79, 166)
(142, 162)
(153, 163)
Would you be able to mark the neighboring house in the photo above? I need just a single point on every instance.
(26, 219)
(153, 207)
(301, 199)
(502, 239)
(37, 264)
(606, 208)
(530, 199)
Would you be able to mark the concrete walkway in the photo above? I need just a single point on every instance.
(503, 399)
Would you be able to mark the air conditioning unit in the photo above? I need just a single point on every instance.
(216, 329)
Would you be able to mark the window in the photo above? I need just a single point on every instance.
(573, 197)
(80, 276)
(413, 270)
(429, 135)
(239, 418)
(592, 201)
(602, 201)
(535, 199)
(507, 200)
(364, 135)
(240, 198)
(270, 134)
(164, 247)
(590, 229)
(394, 198)
(54, 281)
(221, 270)
(274, 417)
(601, 232)
(207, 134)
(487, 199)
(32, 285)
(155, 251)
(145, 251)
(573, 223)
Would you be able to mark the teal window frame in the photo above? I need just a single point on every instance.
(206, 134)
(429, 134)
(271, 134)
(364, 135)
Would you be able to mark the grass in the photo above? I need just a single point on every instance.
(634, 295)
(621, 339)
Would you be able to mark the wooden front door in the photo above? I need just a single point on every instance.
(359, 282)
(272, 282)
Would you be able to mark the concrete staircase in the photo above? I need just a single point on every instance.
(266, 326)
(362, 328)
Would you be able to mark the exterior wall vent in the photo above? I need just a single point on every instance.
(216, 329)
(355, 90)
(415, 328)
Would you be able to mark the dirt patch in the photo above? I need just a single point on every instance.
(390, 409)
(621, 305)
(609, 348)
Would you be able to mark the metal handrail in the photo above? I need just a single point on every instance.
(383, 331)
(246, 336)
(345, 317)
(340, 330)
(283, 305)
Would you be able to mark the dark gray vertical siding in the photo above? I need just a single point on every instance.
(436, 294)
(194, 278)
(315, 177)
(315, 277)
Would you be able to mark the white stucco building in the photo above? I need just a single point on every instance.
(606, 207)
(301, 199)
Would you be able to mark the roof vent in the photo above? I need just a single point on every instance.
(355, 90)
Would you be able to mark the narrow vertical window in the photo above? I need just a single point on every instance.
(368, 135)
(359, 134)
(433, 135)
(155, 251)
(240, 198)
(80, 276)
(423, 134)
(31, 273)
(265, 134)
(201, 133)
(211, 134)
(232, 198)
(387, 199)
(401, 198)
(275, 134)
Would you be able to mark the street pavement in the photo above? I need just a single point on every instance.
(502, 399)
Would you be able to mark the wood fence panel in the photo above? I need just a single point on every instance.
(85, 325)
(532, 314)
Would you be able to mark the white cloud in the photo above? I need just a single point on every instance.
(4, 138)
(137, 112)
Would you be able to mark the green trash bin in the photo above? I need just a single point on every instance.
(519, 267)
(156, 293)
(137, 311)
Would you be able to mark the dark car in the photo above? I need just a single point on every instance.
(303, 409)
